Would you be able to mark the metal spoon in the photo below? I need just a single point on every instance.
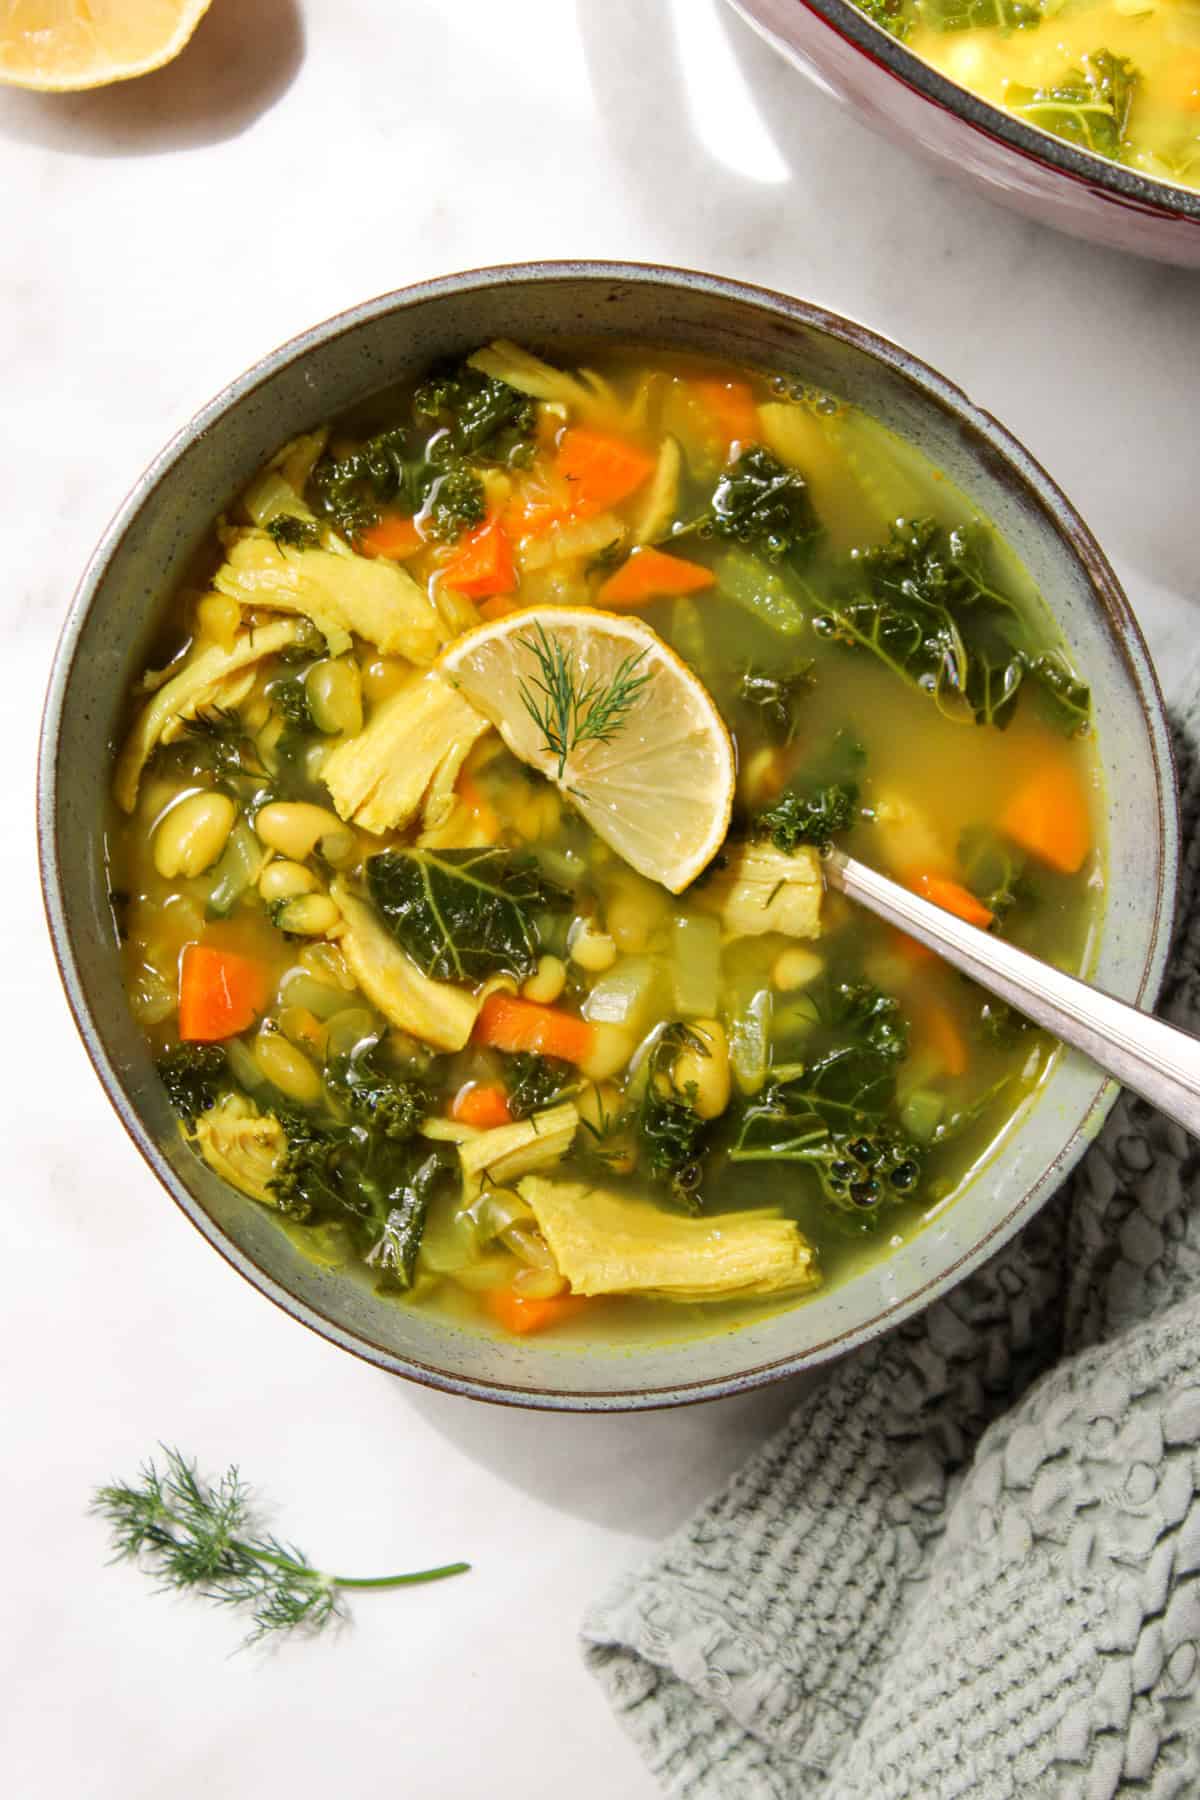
(1157, 1061)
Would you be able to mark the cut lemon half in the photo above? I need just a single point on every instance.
(57, 45)
(600, 706)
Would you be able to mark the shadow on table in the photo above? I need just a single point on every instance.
(238, 63)
(640, 1473)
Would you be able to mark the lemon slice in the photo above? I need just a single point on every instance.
(606, 711)
(61, 44)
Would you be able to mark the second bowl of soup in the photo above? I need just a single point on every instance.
(465, 943)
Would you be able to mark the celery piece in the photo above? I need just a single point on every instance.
(696, 950)
(921, 1114)
(627, 995)
(748, 1007)
(758, 589)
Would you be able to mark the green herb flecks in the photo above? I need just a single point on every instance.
(294, 533)
(193, 1534)
(569, 711)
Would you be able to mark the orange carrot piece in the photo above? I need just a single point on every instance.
(1183, 82)
(732, 408)
(220, 993)
(393, 536)
(600, 471)
(511, 1024)
(483, 1104)
(1048, 816)
(516, 1312)
(952, 897)
(483, 563)
(944, 1038)
(649, 574)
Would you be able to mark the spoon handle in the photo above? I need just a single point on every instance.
(1157, 1061)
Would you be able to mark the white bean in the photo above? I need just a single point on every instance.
(547, 981)
(295, 828)
(334, 691)
(193, 834)
(284, 880)
(704, 1079)
(308, 915)
(286, 1068)
(593, 949)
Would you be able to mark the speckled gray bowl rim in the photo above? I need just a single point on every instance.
(1148, 192)
(935, 387)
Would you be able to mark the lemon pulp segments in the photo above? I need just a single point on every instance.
(658, 785)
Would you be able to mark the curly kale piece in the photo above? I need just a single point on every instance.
(971, 15)
(195, 1076)
(760, 503)
(892, 16)
(796, 819)
(992, 868)
(376, 1183)
(393, 1105)
(836, 1117)
(482, 416)
(871, 1017)
(672, 1136)
(927, 606)
(295, 533)
(1088, 106)
(773, 698)
(532, 1082)
(456, 502)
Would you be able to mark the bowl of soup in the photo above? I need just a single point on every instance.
(1085, 116)
(436, 769)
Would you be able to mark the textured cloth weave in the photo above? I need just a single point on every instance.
(969, 1563)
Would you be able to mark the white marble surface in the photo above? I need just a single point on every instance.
(159, 237)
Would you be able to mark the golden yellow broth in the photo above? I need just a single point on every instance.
(1161, 39)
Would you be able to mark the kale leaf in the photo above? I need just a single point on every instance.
(968, 15)
(389, 470)
(532, 1082)
(1088, 106)
(482, 416)
(872, 1018)
(760, 503)
(894, 16)
(992, 868)
(390, 1104)
(379, 1186)
(672, 1135)
(295, 533)
(195, 1076)
(821, 801)
(463, 915)
(925, 605)
(833, 1116)
(773, 698)
(812, 818)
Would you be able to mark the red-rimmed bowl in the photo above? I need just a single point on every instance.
(1039, 175)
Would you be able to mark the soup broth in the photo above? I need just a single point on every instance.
(466, 841)
(1118, 78)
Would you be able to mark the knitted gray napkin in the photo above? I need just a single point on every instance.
(970, 1564)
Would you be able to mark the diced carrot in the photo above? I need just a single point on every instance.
(1048, 816)
(498, 607)
(600, 471)
(516, 1312)
(393, 536)
(483, 1104)
(649, 574)
(483, 563)
(952, 897)
(477, 802)
(511, 1024)
(732, 408)
(220, 993)
(943, 1037)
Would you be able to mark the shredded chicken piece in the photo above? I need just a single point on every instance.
(433, 1011)
(241, 1145)
(407, 759)
(763, 889)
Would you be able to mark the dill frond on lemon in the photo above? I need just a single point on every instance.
(604, 709)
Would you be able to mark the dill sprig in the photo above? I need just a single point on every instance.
(569, 711)
(202, 1535)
